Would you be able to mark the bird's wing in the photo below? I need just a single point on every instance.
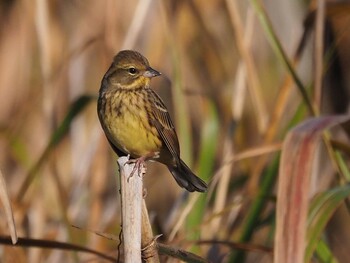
(164, 125)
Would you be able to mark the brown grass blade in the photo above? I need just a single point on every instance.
(293, 189)
(254, 85)
(5, 200)
(319, 50)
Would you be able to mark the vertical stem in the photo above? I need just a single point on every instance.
(247, 58)
(131, 197)
(148, 241)
(5, 200)
(319, 32)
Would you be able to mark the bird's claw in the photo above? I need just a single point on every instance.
(139, 166)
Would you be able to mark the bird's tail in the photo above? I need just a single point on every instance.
(187, 179)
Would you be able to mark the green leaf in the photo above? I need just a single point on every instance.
(76, 107)
(209, 141)
(257, 207)
(322, 208)
(324, 254)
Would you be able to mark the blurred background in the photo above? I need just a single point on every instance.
(231, 96)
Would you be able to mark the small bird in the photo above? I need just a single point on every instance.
(136, 121)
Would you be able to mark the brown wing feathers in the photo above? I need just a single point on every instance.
(164, 126)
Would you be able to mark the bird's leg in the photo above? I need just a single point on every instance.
(139, 164)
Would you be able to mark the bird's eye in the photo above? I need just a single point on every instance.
(132, 70)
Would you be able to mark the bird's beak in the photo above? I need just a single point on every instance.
(150, 73)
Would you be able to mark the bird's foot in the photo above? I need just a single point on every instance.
(139, 166)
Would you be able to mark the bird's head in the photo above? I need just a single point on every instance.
(130, 70)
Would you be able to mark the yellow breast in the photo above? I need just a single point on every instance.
(127, 126)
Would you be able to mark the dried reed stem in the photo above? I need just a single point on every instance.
(148, 241)
(254, 86)
(5, 200)
(135, 218)
(131, 197)
(319, 46)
